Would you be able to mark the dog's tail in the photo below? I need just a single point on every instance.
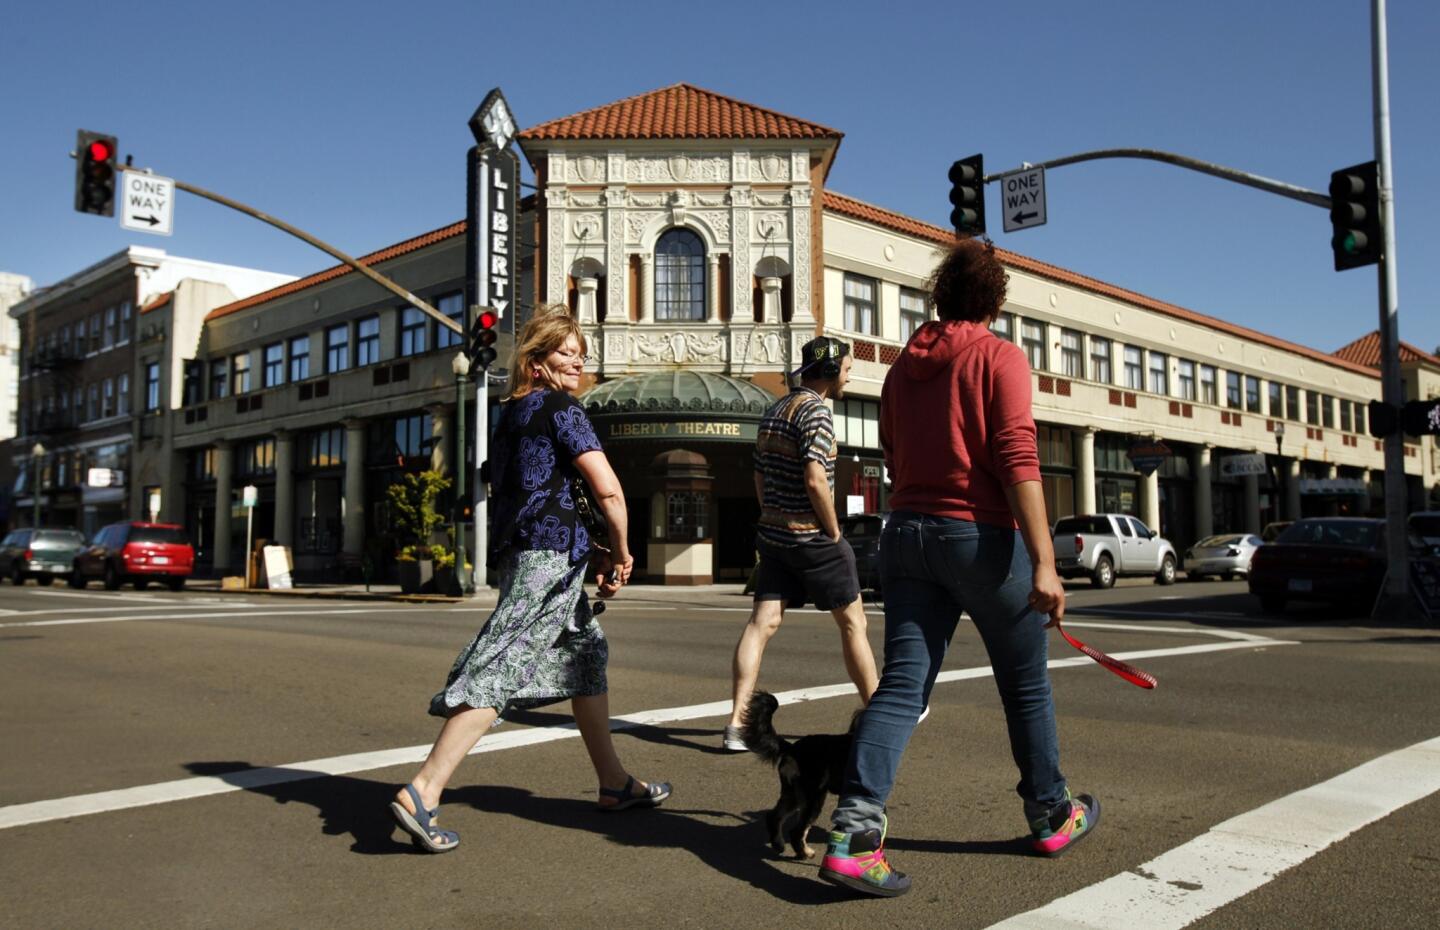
(758, 729)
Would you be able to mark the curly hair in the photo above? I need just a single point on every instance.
(969, 283)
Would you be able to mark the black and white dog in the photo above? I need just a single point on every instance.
(809, 768)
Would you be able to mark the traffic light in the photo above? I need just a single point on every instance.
(482, 339)
(967, 195)
(1421, 417)
(95, 173)
(1384, 419)
(1356, 236)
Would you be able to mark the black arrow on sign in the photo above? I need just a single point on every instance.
(1022, 217)
(152, 220)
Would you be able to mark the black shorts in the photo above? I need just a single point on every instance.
(819, 570)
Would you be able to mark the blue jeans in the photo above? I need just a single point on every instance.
(932, 569)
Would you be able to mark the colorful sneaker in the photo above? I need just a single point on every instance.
(857, 861)
(732, 740)
(1065, 826)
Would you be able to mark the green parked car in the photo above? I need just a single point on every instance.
(40, 554)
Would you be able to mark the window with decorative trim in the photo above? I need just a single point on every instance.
(679, 276)
(686, 515)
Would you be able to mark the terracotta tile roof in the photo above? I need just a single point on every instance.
(157, 302)
(680, 111)
(1366, 351)
(337, 271)
(858, 209)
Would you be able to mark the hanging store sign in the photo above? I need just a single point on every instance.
(493, 175)
(1234, 466)
(1330, 486)
(1148, 455)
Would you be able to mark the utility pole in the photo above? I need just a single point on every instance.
(1396, 496)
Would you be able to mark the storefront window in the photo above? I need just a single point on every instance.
(325, 448)
(686, 516)
(857, 423)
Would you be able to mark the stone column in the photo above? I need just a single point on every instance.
(1292, 489)
(224, 490)
(354, 487)
(284, 488)
(771, 310)
(441, 416)
(1204, 503)
(1332, 506)
(1085, 476)
(1252, 503)
(712, 287)
(647, 287)
(585, 289)
(1150, 500)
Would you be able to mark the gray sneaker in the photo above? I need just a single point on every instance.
(733, 741)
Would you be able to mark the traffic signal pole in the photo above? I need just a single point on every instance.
(1396, 496)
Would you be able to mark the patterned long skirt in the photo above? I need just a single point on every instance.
(540, 646)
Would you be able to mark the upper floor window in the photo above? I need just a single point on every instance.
(1232, 390)
(94, 332)
(1004, 326)
(453, 306)
(367, 341)
(679, 276)
(412, 331)
(1100, 359)
(1292, 403)
(240, 372)
(111, 317)
(1345, 421)
(1360, 417)
(1327, 411)
(1252, 394)
(126, 312)
(1032, 340)
(299, 358)
(912, 312)
(108, 409)
(1185, 378)
(219, 379)
(1276, 397)
(1159, 374)
(337, 348)
(122, 392)
(860, 310)
(1134, 368)
(274, 364)
(92, 402)
(1072, 353)
(1208, 388)
(152, 386)
(1312, 408)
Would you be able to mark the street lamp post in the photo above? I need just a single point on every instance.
(461, 366)
(38, 451)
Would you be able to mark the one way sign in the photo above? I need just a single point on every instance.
(148, 203)
(1022, 196)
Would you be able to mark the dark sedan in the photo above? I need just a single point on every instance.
(1337, 560)
(862, 532)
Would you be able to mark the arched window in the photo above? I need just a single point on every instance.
(679, 276)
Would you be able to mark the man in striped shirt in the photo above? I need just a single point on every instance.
(802, 555)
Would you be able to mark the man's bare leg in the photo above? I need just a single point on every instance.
(859, 660)
(764, 620)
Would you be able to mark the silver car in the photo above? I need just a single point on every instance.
(1226, 555)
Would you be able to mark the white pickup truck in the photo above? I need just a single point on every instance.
(1102, 546)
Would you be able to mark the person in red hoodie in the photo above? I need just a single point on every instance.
(968, 533)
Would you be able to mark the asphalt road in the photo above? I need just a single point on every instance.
(166, 756)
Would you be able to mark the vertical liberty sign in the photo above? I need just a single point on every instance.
(492, 176)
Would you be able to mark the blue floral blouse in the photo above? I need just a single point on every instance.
(532, 456)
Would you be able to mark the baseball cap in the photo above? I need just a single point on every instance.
(818, 350)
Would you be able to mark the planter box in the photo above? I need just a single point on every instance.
(414, 576)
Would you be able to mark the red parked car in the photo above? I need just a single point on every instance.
(136, 552)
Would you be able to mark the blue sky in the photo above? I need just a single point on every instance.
(349, 120)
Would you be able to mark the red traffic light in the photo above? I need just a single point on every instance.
(488, 319)
(100, 150)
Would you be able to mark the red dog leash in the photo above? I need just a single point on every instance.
(1126, 671)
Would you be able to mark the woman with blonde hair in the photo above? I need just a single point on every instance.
(542, 644)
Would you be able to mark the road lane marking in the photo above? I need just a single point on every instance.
(229, 615)
(17, 815)
(1243, 853)
(103, 597)
(105, 610)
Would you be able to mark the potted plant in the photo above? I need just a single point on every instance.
(445, 579)
(412, 511)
